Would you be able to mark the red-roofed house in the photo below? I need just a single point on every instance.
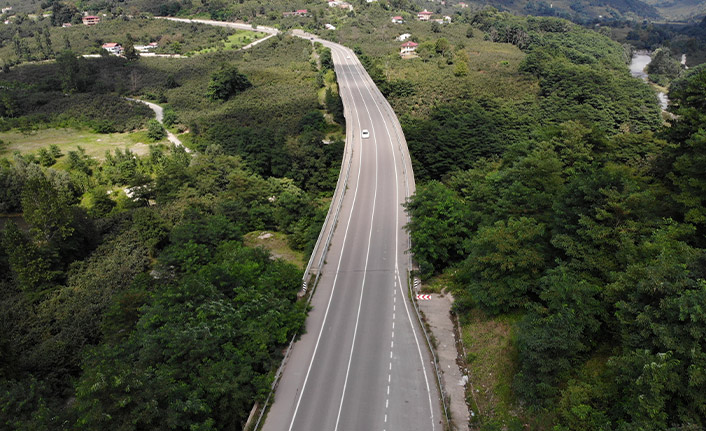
(408, 48)
(113, 48)
(397, 20)
(424, 15)
(91, 20)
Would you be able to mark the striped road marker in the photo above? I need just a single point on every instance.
(424, 297)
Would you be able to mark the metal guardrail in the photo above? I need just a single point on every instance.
(340, 191)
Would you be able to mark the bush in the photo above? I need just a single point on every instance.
(227, 82)
(155, 130)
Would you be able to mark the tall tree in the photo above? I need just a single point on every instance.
(129, 50)
(47, 211)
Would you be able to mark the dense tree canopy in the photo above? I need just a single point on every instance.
(589, 227)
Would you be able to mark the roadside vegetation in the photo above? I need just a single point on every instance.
(573, 232)
(37, 39)
(566, 218)
(130, 298)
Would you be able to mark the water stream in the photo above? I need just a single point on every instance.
(637, 69)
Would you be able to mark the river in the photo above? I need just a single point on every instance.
(637, 69)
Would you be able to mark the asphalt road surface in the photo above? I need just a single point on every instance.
(363, 363)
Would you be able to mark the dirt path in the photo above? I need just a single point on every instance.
(159, 116)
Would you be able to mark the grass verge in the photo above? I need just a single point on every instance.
(276, 243)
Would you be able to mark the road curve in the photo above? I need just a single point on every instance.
(362, 363)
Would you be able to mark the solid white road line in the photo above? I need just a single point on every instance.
(365, 269)
(419, 350)
(333, 288)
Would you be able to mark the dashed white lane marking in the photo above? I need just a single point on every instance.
(392, 346)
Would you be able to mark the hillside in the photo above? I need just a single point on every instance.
(578, 11)
(679, 10)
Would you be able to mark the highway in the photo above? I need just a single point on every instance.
(363, 363)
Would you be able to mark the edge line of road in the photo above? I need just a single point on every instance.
(397, 271)
(333, 288)
(367, 255)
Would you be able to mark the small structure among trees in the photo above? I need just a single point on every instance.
(91, 20)
(408, 48)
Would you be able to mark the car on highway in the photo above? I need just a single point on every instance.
(365, 134)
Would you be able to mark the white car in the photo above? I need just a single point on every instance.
(365, 134)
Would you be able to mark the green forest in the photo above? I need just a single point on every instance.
(129, 298)
(580, 220)
(554, 199)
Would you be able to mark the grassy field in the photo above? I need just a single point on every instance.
(95, 144)
(276, 243)
(232, 42)
(491, 360)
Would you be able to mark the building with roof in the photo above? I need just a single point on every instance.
(424, 15)
(91, 20)
(408, 48)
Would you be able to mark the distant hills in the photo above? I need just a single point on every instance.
(679, 10)
(588, 10)
(579, 11)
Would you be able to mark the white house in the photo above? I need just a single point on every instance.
(424, 15)
(330, 26)
(404, 37)
(397, 20)
(113, 48)
(408, 48)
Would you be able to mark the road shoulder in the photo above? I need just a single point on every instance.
(437, 314)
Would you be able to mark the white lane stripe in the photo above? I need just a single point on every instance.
(365, 269)
(397, 231)
(333, 288)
